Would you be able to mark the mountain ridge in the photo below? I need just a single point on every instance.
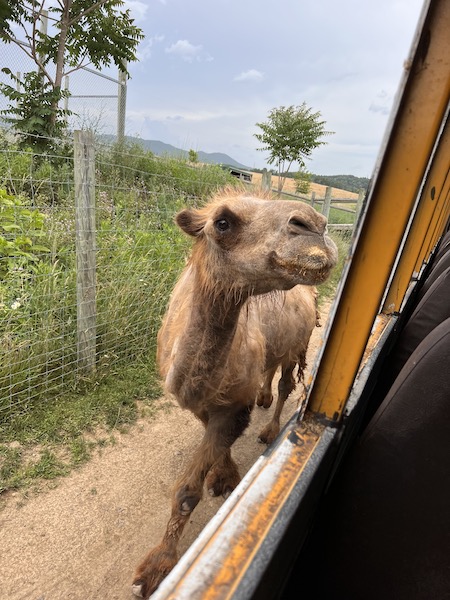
(163, 149)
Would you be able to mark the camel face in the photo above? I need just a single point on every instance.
(257, 245)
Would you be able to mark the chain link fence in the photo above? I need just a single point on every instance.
(97, 101)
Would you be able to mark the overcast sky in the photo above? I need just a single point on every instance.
(208, 71)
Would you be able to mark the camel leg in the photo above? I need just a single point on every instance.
(286, 385)
(265, 397)
(222, 428)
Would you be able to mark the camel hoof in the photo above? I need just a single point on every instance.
(225, 493)
(268, 435)
(264, 400)
(152, 571)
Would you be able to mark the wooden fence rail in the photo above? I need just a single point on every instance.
(325, 204)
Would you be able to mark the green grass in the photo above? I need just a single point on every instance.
(328, 289)
(64, 431)
(341, 216)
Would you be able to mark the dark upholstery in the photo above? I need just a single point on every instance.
(383, 532)
(444, 247)
(433, 308)
(439, 266)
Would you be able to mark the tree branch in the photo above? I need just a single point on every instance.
(64, 27)
(28, 50)
(87, 12)
(80, 65)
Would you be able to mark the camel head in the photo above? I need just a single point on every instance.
(254, 245)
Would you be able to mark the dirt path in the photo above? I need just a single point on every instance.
(83, 539)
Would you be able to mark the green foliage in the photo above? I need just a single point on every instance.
(327, 290)
(193, 156)
(99, 33)
(83, 32)
(20, 230)
(343, 182)
(340, 216)
(302, 181)
(34, 109)
(290, 134)
(130, 163)
(140, 253)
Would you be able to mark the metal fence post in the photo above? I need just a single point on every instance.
(84, 176)
(122, 103)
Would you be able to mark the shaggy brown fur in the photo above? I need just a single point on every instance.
(243, 306)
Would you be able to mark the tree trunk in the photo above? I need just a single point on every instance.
(65, 18)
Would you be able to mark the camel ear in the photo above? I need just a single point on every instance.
(190, 221)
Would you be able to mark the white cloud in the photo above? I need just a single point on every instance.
(382, 104)
(251, 75)
(185, 50)
(145, 48)
(137, 9)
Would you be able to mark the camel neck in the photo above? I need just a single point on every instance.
(202, 352)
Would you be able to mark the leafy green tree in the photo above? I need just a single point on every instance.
(290, 134)
(82, 32)
(302, 181)
(193, 156)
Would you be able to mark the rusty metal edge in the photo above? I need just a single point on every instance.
(234, 543)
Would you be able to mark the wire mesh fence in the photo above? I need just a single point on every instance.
(138, 253)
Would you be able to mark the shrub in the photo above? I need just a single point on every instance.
(20, 230)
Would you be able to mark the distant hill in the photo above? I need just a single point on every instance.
(163, 149)
(351, 183)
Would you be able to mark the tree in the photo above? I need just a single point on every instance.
(302, 181)
(193, 156)
(82, 32)
(290, 135)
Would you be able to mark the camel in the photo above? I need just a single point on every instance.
(244, 305)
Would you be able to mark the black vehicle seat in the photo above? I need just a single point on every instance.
(383, 531)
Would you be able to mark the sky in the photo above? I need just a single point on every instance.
(208, 71)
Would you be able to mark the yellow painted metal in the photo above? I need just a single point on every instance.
(410, 144)
(216, 571)
(426, 226)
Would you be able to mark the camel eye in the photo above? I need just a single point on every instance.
(222, 225)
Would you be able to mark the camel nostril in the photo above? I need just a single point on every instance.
(299, 226)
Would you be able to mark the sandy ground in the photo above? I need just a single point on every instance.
(83, 539)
